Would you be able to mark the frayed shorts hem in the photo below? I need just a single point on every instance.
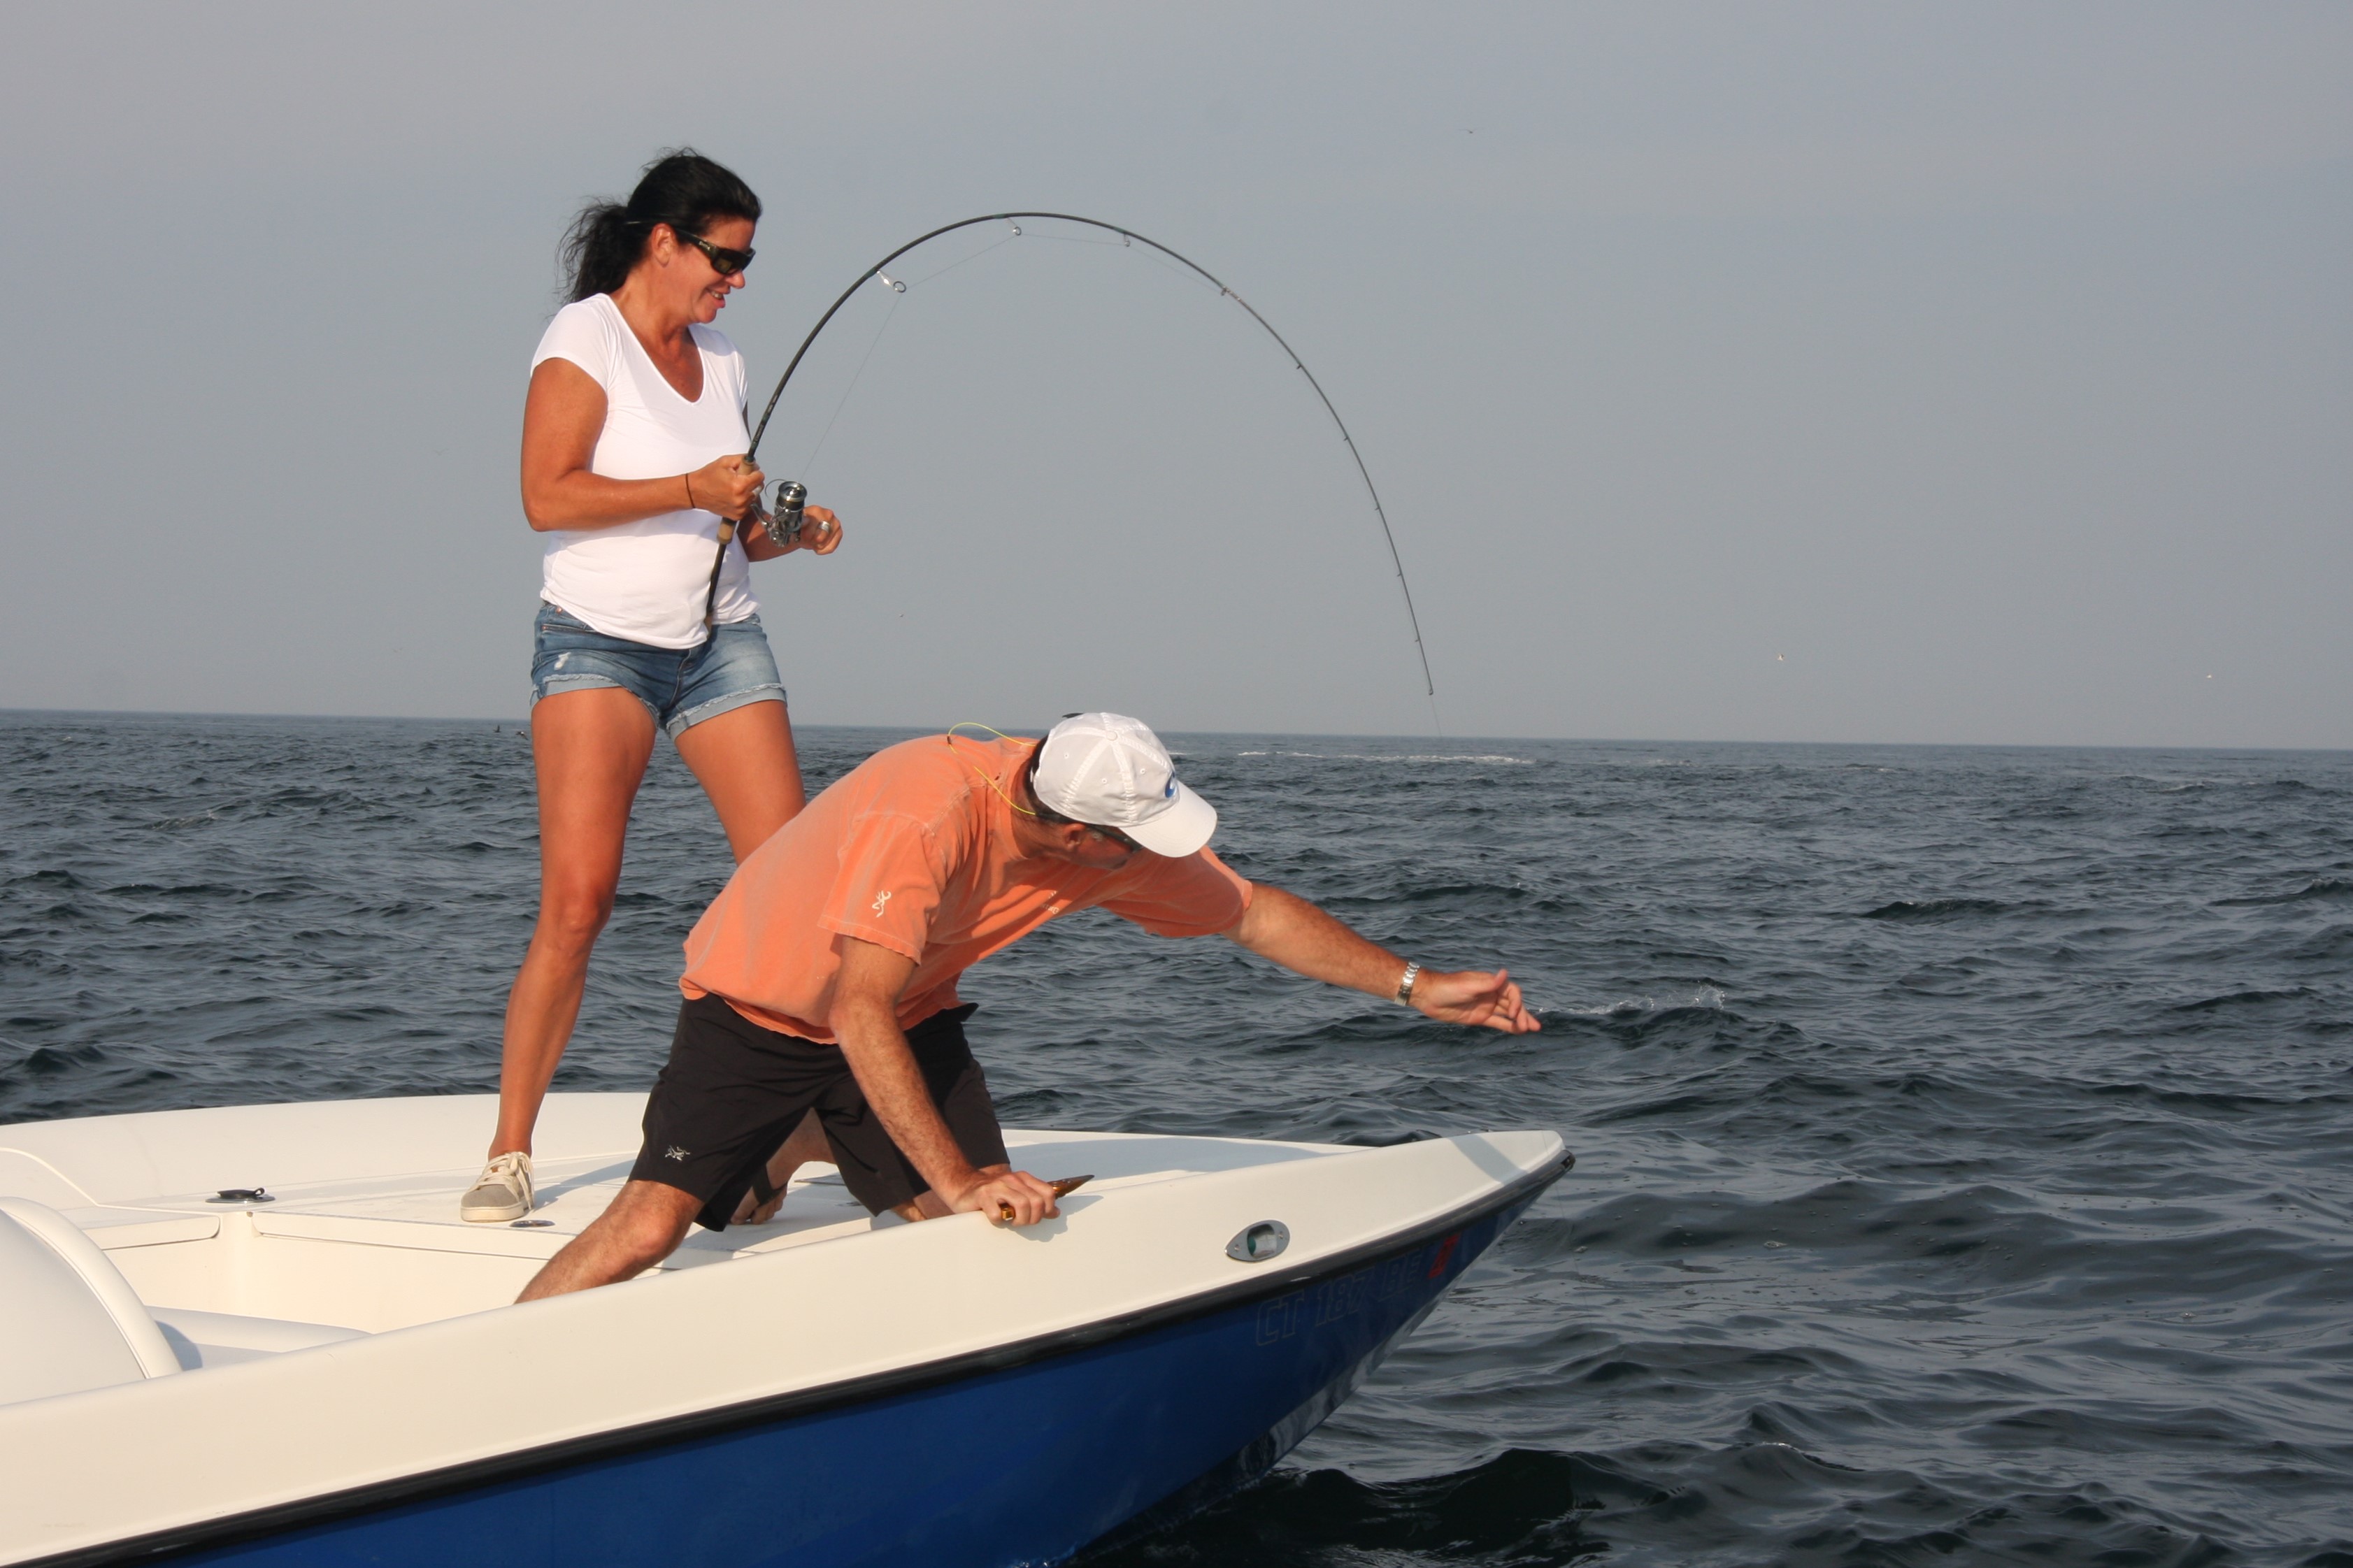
(680, 688)
(677, 724)
(718, 705)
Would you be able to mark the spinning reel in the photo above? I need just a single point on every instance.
(783, 520)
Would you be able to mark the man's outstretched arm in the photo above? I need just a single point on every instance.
(1287, 930)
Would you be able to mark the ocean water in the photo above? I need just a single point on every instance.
(1965, 1136)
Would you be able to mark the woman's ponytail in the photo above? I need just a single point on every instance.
(599, 249)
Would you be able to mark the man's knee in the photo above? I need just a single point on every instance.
(648, 1221)
(640, 1227)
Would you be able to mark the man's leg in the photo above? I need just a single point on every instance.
(643, 1225)
(806, 1146)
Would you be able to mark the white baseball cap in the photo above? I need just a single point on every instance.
(1111, 771)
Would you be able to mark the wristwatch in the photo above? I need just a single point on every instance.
(1405, 984)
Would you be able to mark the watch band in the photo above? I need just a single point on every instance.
(1405, 984)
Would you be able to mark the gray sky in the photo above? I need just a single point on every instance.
(1968, 373)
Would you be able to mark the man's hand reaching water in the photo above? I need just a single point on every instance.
(1472, 996)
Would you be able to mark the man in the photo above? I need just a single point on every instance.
(823, 978)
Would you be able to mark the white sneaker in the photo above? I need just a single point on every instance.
(503, 1192)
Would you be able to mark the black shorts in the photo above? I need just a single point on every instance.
(732, 1091)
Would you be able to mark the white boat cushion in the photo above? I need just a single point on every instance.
(69, 1321)
(224, 1339)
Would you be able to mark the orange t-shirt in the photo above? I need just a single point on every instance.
(914, 851)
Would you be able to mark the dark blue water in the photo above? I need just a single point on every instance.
(1965, 1136)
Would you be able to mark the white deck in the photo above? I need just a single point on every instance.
(351, 1238)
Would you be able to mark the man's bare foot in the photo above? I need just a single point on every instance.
(806, 1145)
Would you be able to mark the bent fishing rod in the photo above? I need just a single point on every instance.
(782, 523)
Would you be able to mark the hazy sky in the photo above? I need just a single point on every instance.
(1971, 373)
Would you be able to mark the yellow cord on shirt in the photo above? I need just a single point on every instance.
(975, 724)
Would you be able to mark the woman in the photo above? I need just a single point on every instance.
(633, 442)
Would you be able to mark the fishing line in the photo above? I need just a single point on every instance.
(898, 294)
(1077, 239)
(951, 266)
(810, 461)
(1190, 282)
(1128, 238)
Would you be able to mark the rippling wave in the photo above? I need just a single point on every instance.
(1963, 1157)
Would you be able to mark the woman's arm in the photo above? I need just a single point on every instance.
(561, 418)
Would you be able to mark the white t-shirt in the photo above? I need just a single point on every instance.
(646, 580)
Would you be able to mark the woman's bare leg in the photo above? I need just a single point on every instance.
(590, 749)
(745, 761)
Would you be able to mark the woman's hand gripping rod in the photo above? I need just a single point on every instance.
(781, 525)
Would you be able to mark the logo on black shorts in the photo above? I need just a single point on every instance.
(673, 1152)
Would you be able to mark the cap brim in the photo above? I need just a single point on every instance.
(1180, 830)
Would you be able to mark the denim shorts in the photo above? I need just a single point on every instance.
(681, 685)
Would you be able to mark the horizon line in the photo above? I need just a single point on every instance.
(523, 723)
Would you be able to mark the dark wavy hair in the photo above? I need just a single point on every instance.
(1044, 813)
(681, 187)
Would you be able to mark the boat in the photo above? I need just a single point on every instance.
(261, 1335)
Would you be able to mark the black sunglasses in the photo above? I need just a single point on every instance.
(726, 262)
(1114, 835)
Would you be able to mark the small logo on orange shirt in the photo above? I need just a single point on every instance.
(880, 900)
